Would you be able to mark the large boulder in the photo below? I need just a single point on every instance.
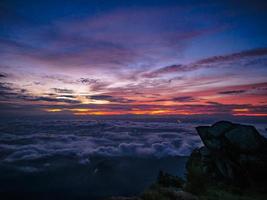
(245, 138)
(233, 153)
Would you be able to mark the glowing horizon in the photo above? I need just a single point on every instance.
(139, 58)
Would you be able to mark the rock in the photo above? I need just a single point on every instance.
(219, 128)
(245, 138)
(227, 135)
(181, 195)
(208, 139)
(232, 153)
(225, 167)
(167, 193)
(168, 180)
(124, 198)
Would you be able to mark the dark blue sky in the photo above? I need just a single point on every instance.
(62, 55)
(239, 25)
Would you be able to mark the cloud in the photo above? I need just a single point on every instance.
(8, 92)
(137, 37)
(12, 94)
(94, 84)
(60, 78)
(87, 81)
(214, 103)
(235, 56)
(67, 96)
(60, 90)
(232, 92)
(115, 138)
(55, 100)
(211, 62)
(121, 62)
(75, 107)
(166, 70)
(110, 98)
(184, 99)
(3, 75)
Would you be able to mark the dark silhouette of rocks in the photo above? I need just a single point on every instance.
(232, 153)
(124, 198)
(231, 165)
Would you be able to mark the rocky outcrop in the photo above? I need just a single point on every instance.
(124, 198)
(232, 153)
(158, 192)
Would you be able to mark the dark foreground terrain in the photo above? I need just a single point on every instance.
(101, 178)
(230, 166)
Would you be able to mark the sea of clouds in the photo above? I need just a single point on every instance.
(32, 140)
(44, 141)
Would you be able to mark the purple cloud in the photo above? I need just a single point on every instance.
(211, 62)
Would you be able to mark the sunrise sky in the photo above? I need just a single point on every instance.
(112, 57)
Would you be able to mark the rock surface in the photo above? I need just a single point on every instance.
(124, 198)
(233, 153)
(181, 195)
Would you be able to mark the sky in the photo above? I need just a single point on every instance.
(111, 57)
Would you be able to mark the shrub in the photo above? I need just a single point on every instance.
(196, 179)
(168, 180)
